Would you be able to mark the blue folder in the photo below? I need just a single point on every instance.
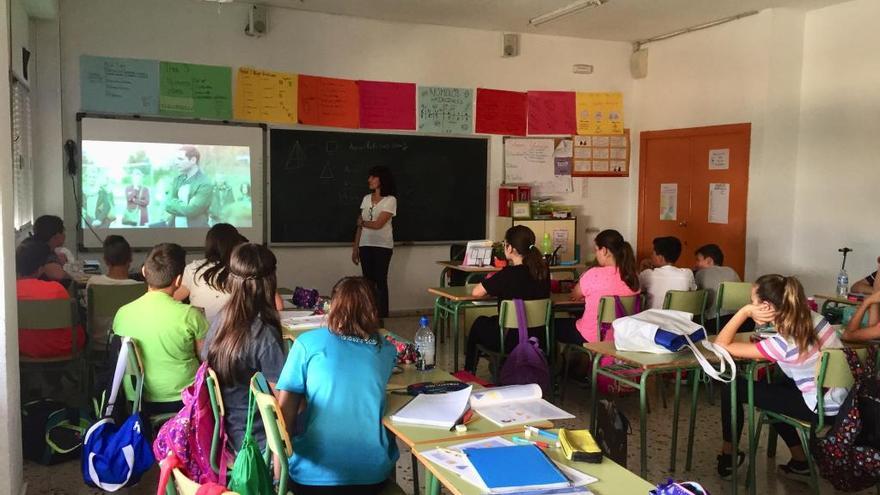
(516, 468)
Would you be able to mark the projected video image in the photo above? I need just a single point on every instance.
(165, 185)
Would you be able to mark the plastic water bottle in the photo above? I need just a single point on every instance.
(546, 245)
(842, 283)
(424, 345)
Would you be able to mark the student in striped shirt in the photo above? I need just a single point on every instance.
(801, 335)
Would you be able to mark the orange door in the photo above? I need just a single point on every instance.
(712, 193)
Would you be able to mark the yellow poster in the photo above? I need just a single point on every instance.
(265, 96)
(599, 113)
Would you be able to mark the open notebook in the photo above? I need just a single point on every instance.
(437, 410)
(515, 405)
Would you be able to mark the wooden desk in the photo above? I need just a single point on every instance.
(473, 271)
(613, 478)
(450, 301)
(834, 299)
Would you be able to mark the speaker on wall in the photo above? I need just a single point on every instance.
(258, 21)
(510, 45)
(638, 63)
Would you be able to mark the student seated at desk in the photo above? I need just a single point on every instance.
(525, 277)
(795, 349)
(710, 273)
(869, 284)
(246, 337)
(49, 229)
(117, 257)
(659, 274)
(168, 333)
(30, 260)
(341, 372)
(615, 275)
(855, 332)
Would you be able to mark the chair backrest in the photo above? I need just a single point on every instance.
(733, 296)
(105, 300)
(833, 370)
(691, 301)
(277, 438)
(607, 310)
(538, 312)
(219, 414)
(46, 314)
(133, 381)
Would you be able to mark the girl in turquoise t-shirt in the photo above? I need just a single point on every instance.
(341, 372)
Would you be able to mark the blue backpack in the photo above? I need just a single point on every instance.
(115, 457)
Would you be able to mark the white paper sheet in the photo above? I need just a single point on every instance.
(719, 202)
(531, 161)
(719, 159)
(437, 410)
(668, 201)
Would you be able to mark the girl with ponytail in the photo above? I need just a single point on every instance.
(801, 335)
(525, 277)
(615, 275)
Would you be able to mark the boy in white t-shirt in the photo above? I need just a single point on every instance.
(662, 275)
(117, 257)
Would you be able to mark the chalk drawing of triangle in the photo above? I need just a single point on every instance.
(296, 159)
(327, 172)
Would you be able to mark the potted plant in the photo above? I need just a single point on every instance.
(499, 260)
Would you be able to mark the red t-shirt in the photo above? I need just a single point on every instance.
(44, 343)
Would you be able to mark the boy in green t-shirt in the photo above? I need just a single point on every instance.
(168, 333)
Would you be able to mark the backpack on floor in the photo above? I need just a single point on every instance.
(116, 456)
(526, 363)
(845, 456)
(51, 432)
(189, 434)
(612, 430)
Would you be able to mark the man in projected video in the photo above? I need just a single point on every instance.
(189, 197)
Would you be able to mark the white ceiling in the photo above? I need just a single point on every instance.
(618, 20)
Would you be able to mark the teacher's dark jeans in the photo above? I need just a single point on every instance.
(374, 263)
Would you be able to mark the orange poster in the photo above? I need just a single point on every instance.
(327, 101)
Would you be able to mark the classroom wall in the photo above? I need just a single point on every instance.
(838, 172)
(743, 71)
(204, 32)
(20, 35)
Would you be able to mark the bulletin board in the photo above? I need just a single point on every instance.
(604, 155)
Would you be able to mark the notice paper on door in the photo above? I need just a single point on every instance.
(719, 202)
(719, 159)
(668, 201)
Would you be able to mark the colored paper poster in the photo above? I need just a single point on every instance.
(501, 112)
(551, 112)
(265, 96)
(599, 113)
(327, 101)
(668, 201)
(446, 110)
(199, 91)
(562, 157)
(119, 85)
(387, 105)
(719, 203)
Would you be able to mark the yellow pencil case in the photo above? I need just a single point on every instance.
(579, 446)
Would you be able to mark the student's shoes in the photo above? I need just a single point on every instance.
(725, 464)
(796, 470)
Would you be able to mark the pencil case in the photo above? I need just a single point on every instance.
(579, 446)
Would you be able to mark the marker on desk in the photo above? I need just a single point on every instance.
(531, 429)
(523, 441)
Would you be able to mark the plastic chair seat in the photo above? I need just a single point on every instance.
(49, 360)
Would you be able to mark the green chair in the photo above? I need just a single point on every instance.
(538, 314)
(731, 297)
(52, 314)
(833, 371)
(690, 301)
(133, 384)
(103, 302)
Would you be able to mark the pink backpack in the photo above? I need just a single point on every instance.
(526, 363)
(189, 434)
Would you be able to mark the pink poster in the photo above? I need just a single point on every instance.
(387, 105)
(552, 112)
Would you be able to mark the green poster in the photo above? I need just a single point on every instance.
(199, 91)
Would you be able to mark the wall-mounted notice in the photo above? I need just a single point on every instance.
(668, 201)
(501, 112)
(719, 202)
(265, 96)
(551, 112)
(446, 110)
(562, 157)
(198, 91)
(327, 101)
(599, 113)
(387, 105)
(119, 85)
(719, 159)
(531, 161)
(560, 238)
(601, 155)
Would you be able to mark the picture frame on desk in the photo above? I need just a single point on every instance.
(520, 210)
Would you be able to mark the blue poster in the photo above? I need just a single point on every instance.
(119, 85)
(446, 110)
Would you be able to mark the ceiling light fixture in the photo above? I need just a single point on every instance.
(569, 9)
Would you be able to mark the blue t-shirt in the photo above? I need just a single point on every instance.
(343, 381)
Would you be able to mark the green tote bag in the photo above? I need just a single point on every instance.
(250, 475)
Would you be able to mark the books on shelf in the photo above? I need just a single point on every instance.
(436, 410)
(515, 405)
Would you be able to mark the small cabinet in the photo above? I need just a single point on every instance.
(562, 233)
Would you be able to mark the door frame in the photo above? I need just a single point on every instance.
(644, 136)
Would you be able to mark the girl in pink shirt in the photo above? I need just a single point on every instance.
(616, 275)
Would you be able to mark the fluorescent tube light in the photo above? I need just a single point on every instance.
(569, 9)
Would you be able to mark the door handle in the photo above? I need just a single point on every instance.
(682, 224)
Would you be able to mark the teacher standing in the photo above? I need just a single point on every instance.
(374, 240)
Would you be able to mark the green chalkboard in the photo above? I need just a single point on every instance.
(318, 179)
(195, 91)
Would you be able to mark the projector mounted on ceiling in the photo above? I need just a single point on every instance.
(569, 9)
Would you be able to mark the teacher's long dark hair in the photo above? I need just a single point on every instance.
(252, 285)
(522, 239)
(386, 180)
